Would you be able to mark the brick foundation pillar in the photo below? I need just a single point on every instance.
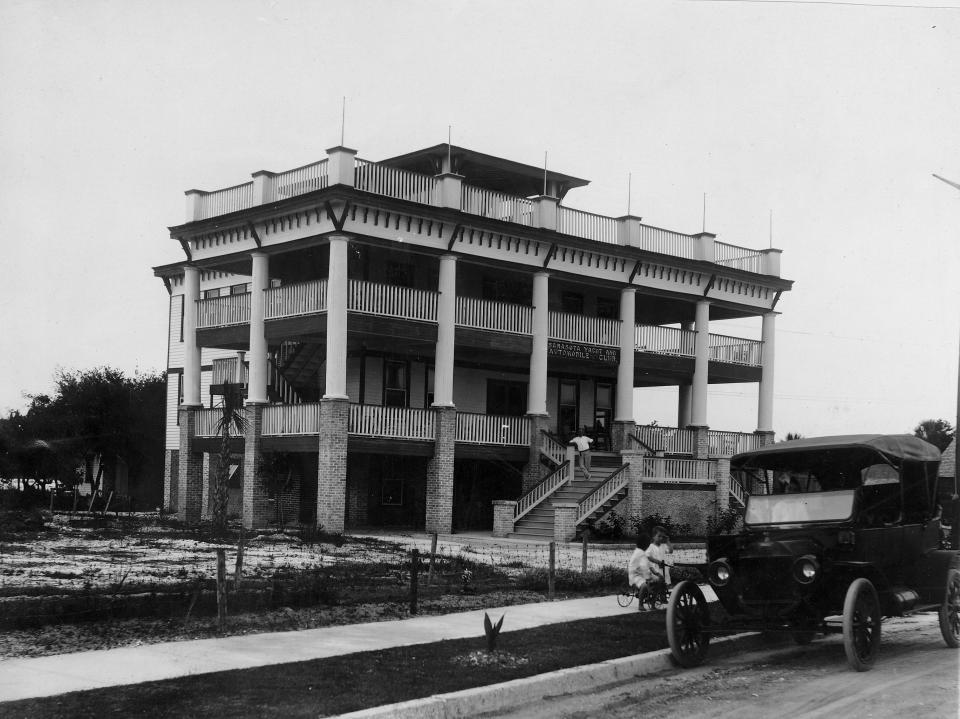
(439, 517)
(257, 509)
(190, 474)
(565, 521)
(721, 475)
(503, 513)
(701, 443)
(171, 469)
(635, 483)
(534, 471)
(764, 438)
(620, 433)
(332, 464)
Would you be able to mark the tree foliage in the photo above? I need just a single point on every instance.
(938, 432)
(95, 412)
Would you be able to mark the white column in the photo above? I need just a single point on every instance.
(685, 394)
(765, 402)
(628, 331)
(191, 351)
(446, 332)
(537, 391)
(257, 378)
(698, 409)
(337, 319)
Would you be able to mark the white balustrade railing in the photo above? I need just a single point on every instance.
(598, 497)
(300, 180)
(665, 340)
(668, 242)
(206, 422)
(394, 182)
(302, 298)
(741, 258)
(496, 205)
(225, 370)
(727, 444)
(547, 486)
(588, 225)
(495, 316)
(221, 202)
(223, 311)
(735, 350)
(552, 449)
(659, 469)
(392, 301)
(671, 440)
(394, 422)
(291, 419)
(493, 429)
(585, 330)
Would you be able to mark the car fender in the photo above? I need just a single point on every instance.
(932, 573)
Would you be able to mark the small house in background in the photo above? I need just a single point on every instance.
(419, 337)
(947, 485)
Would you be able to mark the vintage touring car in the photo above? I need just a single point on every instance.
(839, 532)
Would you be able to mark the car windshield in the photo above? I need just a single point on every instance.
(795, 508)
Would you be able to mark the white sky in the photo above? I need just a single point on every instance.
(831, 115)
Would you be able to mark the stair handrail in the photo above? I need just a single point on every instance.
(611, 485)
(737, 492)
(644, 447)
(543, 489)
(552, 449)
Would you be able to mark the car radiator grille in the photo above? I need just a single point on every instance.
(768, 580)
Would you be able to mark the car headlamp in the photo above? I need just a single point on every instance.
(720, 572)
(806, 569)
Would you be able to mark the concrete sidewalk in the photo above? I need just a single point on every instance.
(47, 676)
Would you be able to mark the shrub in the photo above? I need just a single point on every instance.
(644, 525)
(610, 527)
(727, 521)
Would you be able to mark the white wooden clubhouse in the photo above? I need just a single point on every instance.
(419, 337)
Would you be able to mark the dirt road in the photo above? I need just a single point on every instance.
(916, 676)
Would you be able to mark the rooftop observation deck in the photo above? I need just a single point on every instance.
(490, 187)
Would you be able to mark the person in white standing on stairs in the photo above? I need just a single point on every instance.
(582, 442)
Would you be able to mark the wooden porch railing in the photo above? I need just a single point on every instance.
(300, 180)
(493, 429)
(665, 340)
(736, 491)
(206, 423)
(543, 489)
(668, 242)
(225, 370)
(394, 182)
(658, 469)
(585, 330)
(223, 311)
(301, 298)
(735, 350)
(291, 419)
(395, 422)
(588, 225)
(727, 444)
(552, 449)
(392, 301)
(496, 205)
(741, 258)
(495, 316)
(593, 501)
(222, 202)
(671, 440)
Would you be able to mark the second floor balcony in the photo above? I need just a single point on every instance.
(403, 303)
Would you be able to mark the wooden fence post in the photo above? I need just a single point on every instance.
(583, 562)
(551, 572)
(238, 568)
(221, 589)
(433, 555)
(414, 569)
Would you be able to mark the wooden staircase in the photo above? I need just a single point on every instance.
(537, 524)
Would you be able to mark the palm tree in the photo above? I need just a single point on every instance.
(232, 418)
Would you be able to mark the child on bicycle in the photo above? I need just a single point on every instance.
(641, 574)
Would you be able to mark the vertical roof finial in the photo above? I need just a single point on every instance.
(343, 119)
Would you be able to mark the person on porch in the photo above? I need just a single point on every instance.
(582, 444)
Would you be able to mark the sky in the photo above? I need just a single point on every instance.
(812, 126)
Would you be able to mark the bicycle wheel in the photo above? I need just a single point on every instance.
(625, 597)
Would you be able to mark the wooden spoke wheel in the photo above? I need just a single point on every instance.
(950, 610)
(861, 624)
(687, 621)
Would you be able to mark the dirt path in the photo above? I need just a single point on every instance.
(916, 676)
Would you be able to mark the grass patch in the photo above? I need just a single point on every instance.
(358, 681)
